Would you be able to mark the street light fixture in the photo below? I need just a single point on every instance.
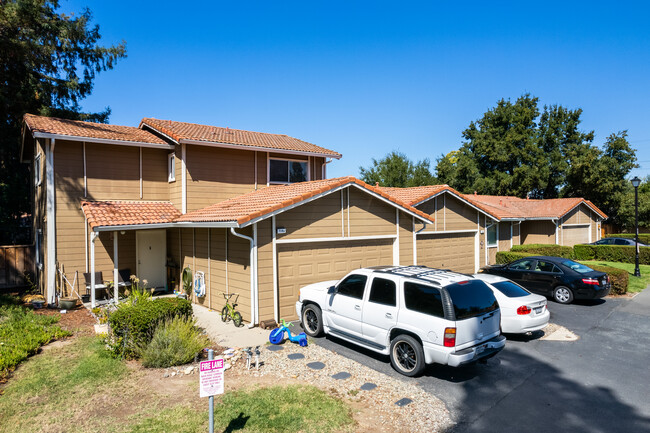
(635, 183)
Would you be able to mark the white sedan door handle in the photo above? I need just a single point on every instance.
(357, 307)
(388, 315)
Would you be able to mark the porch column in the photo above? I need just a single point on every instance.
(115, 266)
(93, 236)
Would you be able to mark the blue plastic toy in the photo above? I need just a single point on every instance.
(277, 335)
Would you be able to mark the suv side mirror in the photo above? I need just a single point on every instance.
(331, 290)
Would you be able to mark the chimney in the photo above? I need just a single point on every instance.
(500, 202)
(377, 184)
(475, 193)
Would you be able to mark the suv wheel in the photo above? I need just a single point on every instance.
(406, 355)
(312, 320)
(563, 295)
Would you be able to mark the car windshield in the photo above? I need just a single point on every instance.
(471, 298)
(578, 267)
(510, 289)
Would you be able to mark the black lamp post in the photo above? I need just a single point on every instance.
(635, 183)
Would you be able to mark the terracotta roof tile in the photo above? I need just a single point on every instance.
(77, 128)
(515, 207)
(214, 134)
(266, 200)
(117, 213)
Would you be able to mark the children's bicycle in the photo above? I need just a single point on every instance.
(228, 311)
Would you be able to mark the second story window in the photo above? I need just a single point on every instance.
(287, 171)
(37, 170)
(171, 167)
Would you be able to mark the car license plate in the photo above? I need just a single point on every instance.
(480, 349)
(538, 310)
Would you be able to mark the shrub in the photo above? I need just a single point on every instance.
(133, 325)
(644, 238)
(544, 250)
(619, 278)
(504, 257)
(612, 253)
(175, 342)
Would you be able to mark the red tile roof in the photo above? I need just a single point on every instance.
(515, 207)
(77, 128)
(118, 213)
(214, 134)
(272, 198)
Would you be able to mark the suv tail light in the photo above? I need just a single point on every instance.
(450, 337)
(592, 281)
(523, 310)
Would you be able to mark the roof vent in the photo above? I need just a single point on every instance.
(377, 184)
(475, 193)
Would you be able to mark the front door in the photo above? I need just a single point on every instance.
(152, 247)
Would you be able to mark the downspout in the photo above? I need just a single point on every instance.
(324, 168)
(556, 234)
(253, 262)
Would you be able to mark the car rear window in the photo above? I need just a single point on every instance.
(471, 298)
(510, 289)
(578, 267)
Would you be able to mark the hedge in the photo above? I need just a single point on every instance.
(612, 253)
(504, 257)
(544, 250)
(619, 278)
(644, 238)
(134, 325)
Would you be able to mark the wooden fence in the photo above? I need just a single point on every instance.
(15, 260)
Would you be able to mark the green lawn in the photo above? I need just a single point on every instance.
(637, 284)
(79, 387)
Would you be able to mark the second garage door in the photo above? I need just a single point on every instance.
(302, 264)
(575, 235)
(455, 251)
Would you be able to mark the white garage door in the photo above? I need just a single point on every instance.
(455, 251)
(575, 235)
(302, 264)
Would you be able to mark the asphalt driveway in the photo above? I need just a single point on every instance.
(599, 383)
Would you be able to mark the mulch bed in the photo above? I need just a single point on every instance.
(79, 320)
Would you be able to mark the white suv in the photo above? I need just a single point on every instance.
(415, 314)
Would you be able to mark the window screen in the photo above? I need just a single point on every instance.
(383, 291)
(423, 299)
(352, 286)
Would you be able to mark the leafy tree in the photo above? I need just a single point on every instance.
(516, 150)
(626, 212)
(396, 170)
(48, 62)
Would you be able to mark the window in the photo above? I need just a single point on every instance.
(37, 170)
(511, 289)
(423, 299)
(522, 265)
(546, 267)
(171, 167)
(382, 292)
(285, 171)
(492, 236)
(578, 267)
(352, 286)
(471, 299)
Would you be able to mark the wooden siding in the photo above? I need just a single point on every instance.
(369, 216)
(405, 239)
(579, 215)
(453, 251)
(316, 219)
(15, 260)
(265, 269)
(218, 284)
(214, 175)
(450, 213)
(482, 240)
(112, 172)
(239, 272)
(538, 232)
(594, 231)
(175, 187)
(516, 238)
(154, 174)
(261, 169)
(201, 262)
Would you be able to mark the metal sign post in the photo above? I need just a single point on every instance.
(211, 382)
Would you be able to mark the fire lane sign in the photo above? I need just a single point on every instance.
(211, 377)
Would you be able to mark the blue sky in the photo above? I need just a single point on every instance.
(365, 78)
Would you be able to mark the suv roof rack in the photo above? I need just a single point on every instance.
(438, 276)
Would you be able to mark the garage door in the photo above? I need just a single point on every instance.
(302, 264)
(455, 251)
(575, 235)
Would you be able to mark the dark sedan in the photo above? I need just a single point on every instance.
(618, 241)
(562, 279)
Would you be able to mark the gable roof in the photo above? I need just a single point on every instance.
(42, 126)
(253, 206)
(519, 208)
(193, 133)
(124, 213)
